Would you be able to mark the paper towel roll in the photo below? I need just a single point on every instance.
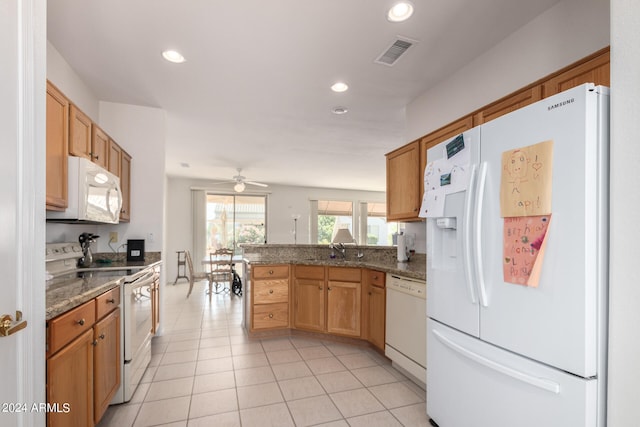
(402, 248)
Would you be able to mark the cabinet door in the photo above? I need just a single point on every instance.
(115, 154)
(70, 381)
(79, 133)
(125, 186)
(508, 104)
(106, 362)
(436, 137)
(343, 308)
(403, 183)
(99, 146)
(594, 70)
(57, 148)
(309, 304)
(376, 311)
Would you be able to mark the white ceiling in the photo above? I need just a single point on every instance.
(254, 92)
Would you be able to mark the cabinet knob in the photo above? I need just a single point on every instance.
(111, 301)
(329, 288)
(81, 322)
(270, 315)
(320, 287)
(270, 291)
(94, 343)
(270, 271)
(101, 336)
(369, 293)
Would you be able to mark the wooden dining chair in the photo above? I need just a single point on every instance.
(221, 262)
(195, 276)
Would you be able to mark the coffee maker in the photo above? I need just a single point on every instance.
(85, 240)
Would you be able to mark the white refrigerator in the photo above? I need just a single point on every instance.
(500, 352)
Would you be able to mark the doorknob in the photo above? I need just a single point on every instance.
(8, 326)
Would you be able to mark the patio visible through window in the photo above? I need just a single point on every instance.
(235, 219)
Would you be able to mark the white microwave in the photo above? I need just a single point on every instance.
(93, 194)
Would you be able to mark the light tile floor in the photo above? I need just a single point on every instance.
(205, 371)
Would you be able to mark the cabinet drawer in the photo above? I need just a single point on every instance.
(66, 327)
(345, 274)
(270, 271)
(376, 278)
(270, 291)
(270, 316)
(309, 272)
(107, 302)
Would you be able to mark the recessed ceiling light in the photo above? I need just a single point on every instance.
(400, 11)
(339, 87)
(173, 56)
(340, 110)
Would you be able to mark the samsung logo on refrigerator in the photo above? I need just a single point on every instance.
(560, 104)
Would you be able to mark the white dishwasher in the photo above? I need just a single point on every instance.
(406, 325)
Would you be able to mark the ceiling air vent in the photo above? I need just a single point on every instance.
(391, 55)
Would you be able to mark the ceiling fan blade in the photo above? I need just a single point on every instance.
(259, 184)
(222, 182)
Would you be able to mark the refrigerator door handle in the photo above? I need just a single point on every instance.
(542, 383)
(482, 177)
(468, 255)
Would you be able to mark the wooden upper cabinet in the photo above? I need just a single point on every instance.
(57, 148)
(79, 133)
(403, 183)
(115, 161)
(436, 137)
(99, 146)
(593, 69)
(508, 104)
(125, 186)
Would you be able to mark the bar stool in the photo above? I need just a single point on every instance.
(181, 263)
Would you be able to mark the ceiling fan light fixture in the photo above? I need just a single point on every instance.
(173, 56)
(400, 11)
(239, 187)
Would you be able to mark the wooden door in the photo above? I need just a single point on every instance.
(115, 154)
(403, 183)
(106, 362)
(125, 186)
(376, 311)
(57, 148)
(594, 69)
(99, 146)
(343, 308)
(309, 304)
(70, 381)
(79, 133)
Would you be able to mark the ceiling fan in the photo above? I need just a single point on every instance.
(241, 183)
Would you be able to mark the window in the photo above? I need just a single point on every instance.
(332, 215)
(373, 220)
(235, 219)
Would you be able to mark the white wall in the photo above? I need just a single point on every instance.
(624, 292)
(65, 78)
(282, 202)
(570, 30)
(141, 132)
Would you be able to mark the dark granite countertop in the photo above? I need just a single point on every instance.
(69, 291)
(414, 270)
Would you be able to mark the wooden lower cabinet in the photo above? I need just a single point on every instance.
(70, 383)
(270, 297)
(374, 308)
(106, 362)
(309, 291)
(343, 308)
(83, 365)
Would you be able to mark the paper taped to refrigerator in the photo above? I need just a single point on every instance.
(441, 177)
(524, 240)
(525, 185)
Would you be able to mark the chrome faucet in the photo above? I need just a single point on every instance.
(340, 248)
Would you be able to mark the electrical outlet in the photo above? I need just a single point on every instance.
(113, 236)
